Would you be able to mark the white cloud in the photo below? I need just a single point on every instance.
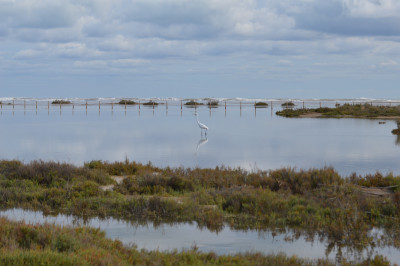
(28, 53)
(388, 63)
(76, 50)
(373, 8)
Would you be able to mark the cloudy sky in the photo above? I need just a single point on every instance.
(200, 48)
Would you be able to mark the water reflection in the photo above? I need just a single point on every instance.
(227, 241)
(239, 140)
(201, 142)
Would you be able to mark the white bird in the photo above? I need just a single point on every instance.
(202, 126)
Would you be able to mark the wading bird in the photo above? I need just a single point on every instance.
(202, 126)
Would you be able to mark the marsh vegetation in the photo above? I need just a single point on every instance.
(49, 244)
(346, 110)
(317, 203)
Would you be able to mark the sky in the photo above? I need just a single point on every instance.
(200, 48)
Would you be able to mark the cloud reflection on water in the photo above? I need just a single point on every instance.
(245, 140)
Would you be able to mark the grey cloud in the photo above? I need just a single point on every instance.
(43, 14)
(332, 17)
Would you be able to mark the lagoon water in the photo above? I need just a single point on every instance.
(169, 136)
(184, 236)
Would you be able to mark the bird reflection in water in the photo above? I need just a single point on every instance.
(201, 142)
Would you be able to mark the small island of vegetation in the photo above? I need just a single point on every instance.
(127, 102)
(346, 110)
(60, 102)
(288, 104)
(261, 104)
(150, 103)
(212, 104)
(192, 103)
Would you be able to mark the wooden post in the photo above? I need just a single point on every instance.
(36, 105)
(86, 105)
(153, 107)
(139, 105)
(48, 105)
(240, 106)
(166, 105)
(60, 106)
(73, 106)
(320, 105)
(99, 105)
(181, 105)
(13, 104)
(24, 104)
(225, 105)
(112, 105)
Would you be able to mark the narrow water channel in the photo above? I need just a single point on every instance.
(188, 235)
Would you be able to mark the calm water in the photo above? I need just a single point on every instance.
(170, 136)
(185, 236)
(238, 137)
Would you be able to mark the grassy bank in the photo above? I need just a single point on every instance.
(27, 244)
(346, 110)
(317, 203)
